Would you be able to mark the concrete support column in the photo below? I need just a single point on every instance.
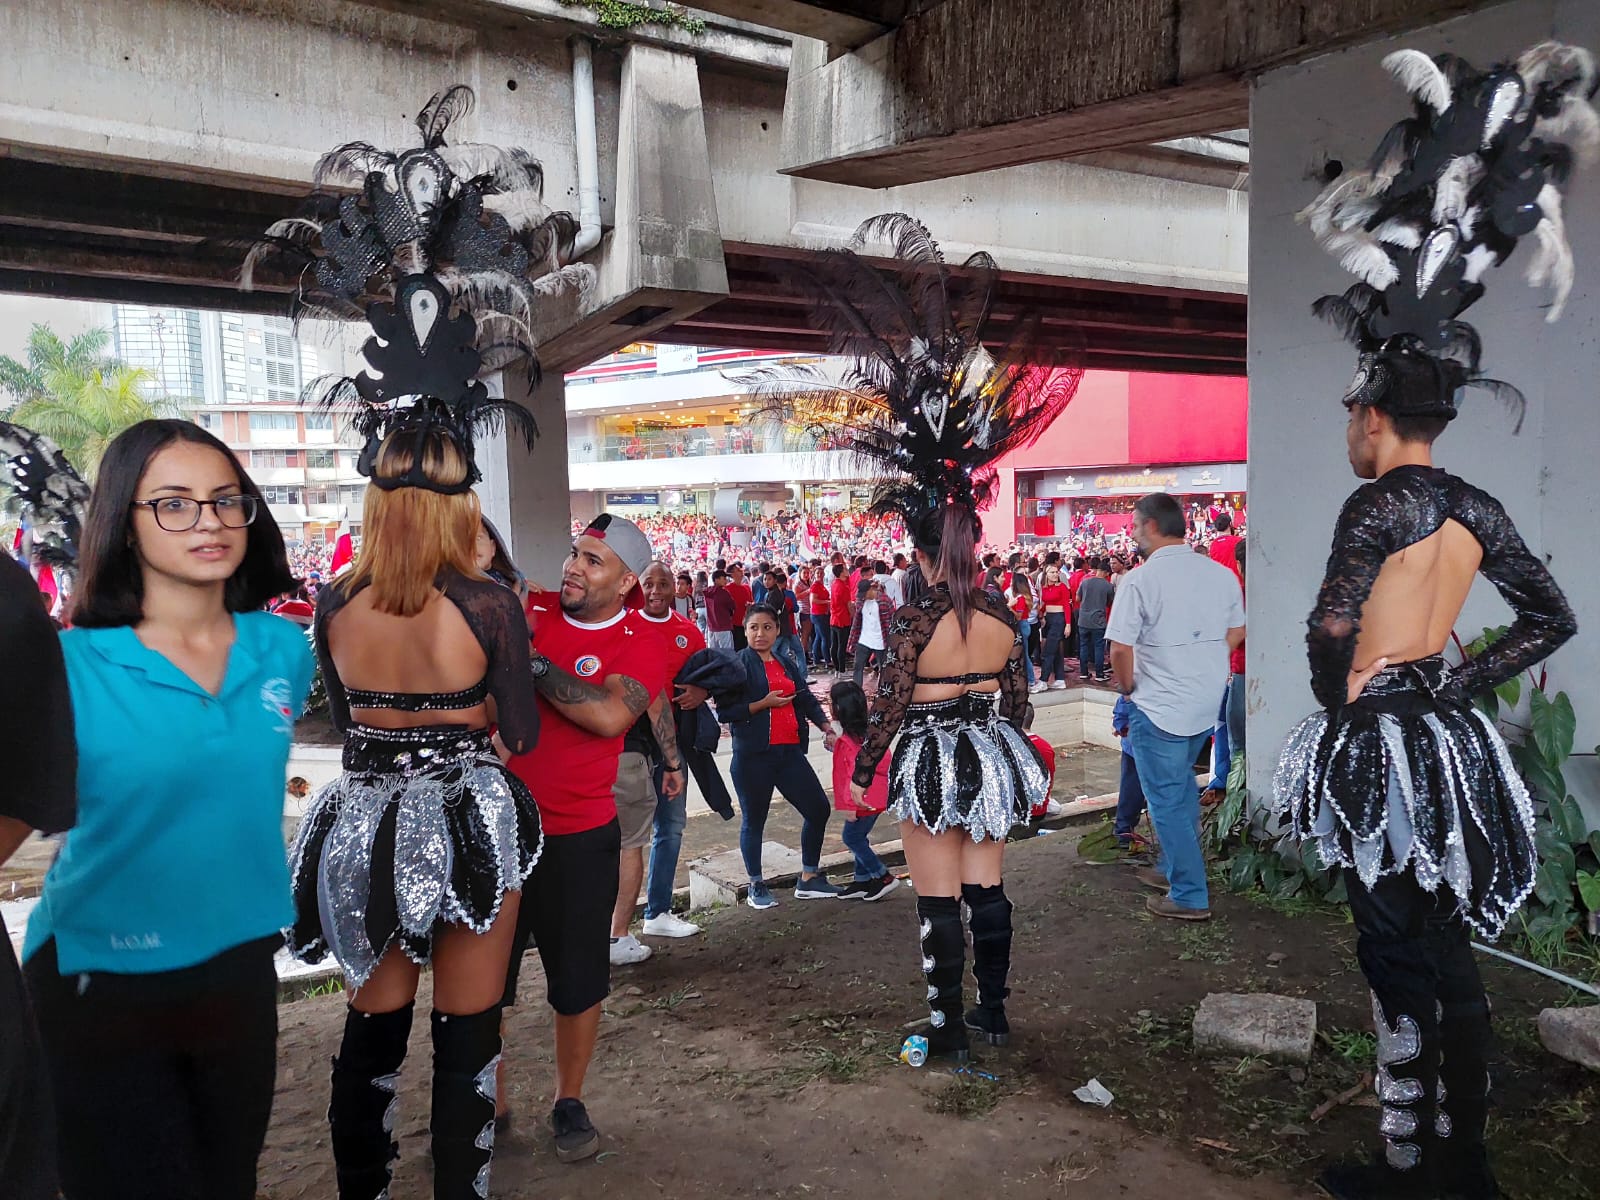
(525, 493)
(1338, 107)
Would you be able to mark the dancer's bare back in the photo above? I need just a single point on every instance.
(1417, 598)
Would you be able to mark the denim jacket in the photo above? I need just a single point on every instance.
(751, 731)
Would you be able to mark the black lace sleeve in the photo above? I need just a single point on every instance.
(1015, 706)
(496, 619)
(329, 601)
(1378, 519)
(912, 627)
(1544, 619)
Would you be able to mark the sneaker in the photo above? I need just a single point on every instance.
(576, 1136)
(856, 889)
(760, 896)
(878, 888)
(628, 949)
(1059, 685)
(1036, 688)
(816, 888)
(669, 925)
(1162, 906)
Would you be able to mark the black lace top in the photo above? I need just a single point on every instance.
(1399, 510)
(497, 622)
(912, 627)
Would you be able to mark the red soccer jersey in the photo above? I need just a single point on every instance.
(743, 598)
(680, 637)
(839, 595)
(570, 770)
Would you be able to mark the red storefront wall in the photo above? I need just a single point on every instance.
(1120, 419)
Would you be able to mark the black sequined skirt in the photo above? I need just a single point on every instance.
(1403, 781)
(425, 825)
(958, 764)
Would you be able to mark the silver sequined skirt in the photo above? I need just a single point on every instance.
(958, 764)
(424, 826)
(1404, 781)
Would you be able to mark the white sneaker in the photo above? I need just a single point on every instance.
(628, 949)
(1059, 685)
(669, 925)
(1035, 687)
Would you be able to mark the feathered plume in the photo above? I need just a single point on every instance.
(448, 251)
(928, 403)
(1449, 192)
(43, 490)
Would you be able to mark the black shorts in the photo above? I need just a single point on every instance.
(566, 913)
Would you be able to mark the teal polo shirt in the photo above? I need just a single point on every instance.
(178, 852)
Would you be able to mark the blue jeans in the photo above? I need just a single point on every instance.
(1166, 772)
(789, 646)
(1091, 651)
(868, 864)
(1025, 631)
(1221, 751)
(1054, 663)
(671, 816)
(821, 640)
(1130, 796)
(755, 774)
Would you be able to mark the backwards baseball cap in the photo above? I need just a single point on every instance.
(629, 543)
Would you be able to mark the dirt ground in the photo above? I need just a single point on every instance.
(758, 1059)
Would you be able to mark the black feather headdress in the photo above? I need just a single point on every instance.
(1449, 192)
(42, 489)
(928, 402)
(445, 250)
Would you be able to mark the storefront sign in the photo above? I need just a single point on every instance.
(1203, 479)
(636, 499)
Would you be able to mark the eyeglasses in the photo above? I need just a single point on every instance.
(179, 514)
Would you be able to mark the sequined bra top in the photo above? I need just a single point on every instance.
(1401, 509)
(909, 632)
(497, 623)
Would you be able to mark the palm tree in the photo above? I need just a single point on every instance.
(73, 393)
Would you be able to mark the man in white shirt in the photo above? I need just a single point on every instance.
(888, 585)
(901, 565)
(869, 635)
(1173, 624)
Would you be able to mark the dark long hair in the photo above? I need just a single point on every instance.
(950, 540)
(849, 705)
(111, 582)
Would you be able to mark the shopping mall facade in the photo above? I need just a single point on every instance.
(660, 428)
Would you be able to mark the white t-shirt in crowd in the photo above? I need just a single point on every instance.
(871, 627)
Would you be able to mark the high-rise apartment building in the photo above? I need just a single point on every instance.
(242, 376)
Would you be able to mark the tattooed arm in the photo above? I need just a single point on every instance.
(608, 709)
(664, 726)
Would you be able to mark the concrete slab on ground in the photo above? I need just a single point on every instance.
(721, 878)
(1280, 1027)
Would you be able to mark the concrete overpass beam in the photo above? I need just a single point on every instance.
(848, 23)
(972, 85)
(662, 259)
(525, 492)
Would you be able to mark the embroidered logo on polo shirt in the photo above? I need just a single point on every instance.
(586, 666)
(275, 698)
(683, 642)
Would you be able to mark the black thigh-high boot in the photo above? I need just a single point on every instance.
(1463, 1071)
(362, 1109)
(466, 1050)
(944, 961)
(989, 915)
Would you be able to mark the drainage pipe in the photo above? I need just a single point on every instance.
(1533, 966)
(586, 147)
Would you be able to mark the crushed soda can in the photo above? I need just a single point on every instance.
(915, 1051)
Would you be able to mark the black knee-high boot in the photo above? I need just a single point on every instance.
(989, 915)
(944, 961)
(362, 1109)
(465, 1053)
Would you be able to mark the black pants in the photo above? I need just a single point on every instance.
(841, 647)
(1432, 1021)
(755, 774)
(163, 1082)
(27, 1117)
(738, 636)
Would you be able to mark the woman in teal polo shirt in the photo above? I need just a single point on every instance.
(149, 955)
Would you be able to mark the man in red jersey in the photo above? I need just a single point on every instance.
(597, 670)
(1224, 543)
(743, 598)
(663, 815)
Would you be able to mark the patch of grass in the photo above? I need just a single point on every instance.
(786, 929)
(328, 987)
(1350, 1044)
(671, 1001)
(968, 1096)
(1572, 1111)
(1159, 1033)
(1519, 1032)
(1206, 942)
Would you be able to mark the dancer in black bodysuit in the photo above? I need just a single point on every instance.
(1401, 780)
